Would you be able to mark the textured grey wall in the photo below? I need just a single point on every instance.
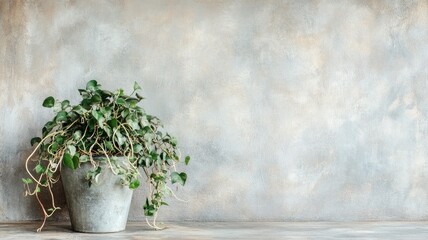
(291, 110)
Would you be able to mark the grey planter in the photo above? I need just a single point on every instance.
(101, 208)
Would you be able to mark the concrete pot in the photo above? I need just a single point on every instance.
(101, 208)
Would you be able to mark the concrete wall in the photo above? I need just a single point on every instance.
(291, 110)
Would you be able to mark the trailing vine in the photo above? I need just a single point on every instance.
(105, 124)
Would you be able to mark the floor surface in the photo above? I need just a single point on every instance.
(229, 230)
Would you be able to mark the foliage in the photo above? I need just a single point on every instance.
(107, 124)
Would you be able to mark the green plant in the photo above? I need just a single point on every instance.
(105, 124)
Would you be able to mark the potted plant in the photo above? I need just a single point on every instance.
(102, 148)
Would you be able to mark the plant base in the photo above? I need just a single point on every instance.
(101, 208)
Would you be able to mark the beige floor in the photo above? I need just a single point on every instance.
(230, 230)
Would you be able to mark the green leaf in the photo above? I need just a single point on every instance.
(132, 158)
(44, 147)
(186, 160)
(71, 150)
(120, 139)
(65, 104)
(164, 203)
(104, 94)
(59, 139)
(106, 128)
(86, 104)
(79, 109)
(183, 177)
(136, 86)
(35, 140)
(96, 98)
(101, 122)
(119, 92)
(146, 130)
(120, 101)
(158, 177)
(139, 96)
(77, 135)
(68, 161)
(97, 115)
(137, 148)
(173, 141)
(92, 123)
(61, 116)
(132, 102)
(107, 93)
(109, 145)
(49, 102)
(84, 93)
(39, 169)
(54, 147)
(92, 175)
(148, 137)
(76, 161)
(49, 126)
(84, 158)
(92, 85)
(72, 115)
(124, 113)
(154, 155)
(149, 209)
(178, 178)
(106, 111)
(37, 190)
(27, 180)
(133, 122)
(134, 184)
(148, 162)
(112, 123)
